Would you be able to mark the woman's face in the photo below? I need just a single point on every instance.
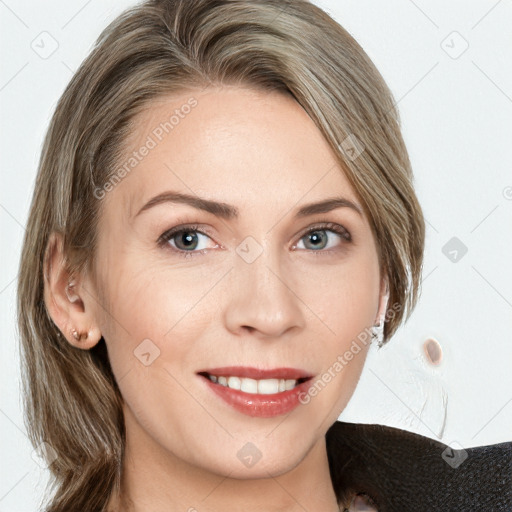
(243, 285)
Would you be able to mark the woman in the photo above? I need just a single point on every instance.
(223, 221)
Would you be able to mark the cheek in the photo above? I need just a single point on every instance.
(149, 298)
(341, 305)
(154, 309)
(343, 297)
(149, 334)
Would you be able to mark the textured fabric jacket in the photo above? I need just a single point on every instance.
(406, 472)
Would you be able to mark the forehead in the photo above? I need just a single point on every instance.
(242, 146)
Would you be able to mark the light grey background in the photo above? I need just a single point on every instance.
(456, 109)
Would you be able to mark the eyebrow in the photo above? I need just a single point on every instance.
(226, 211)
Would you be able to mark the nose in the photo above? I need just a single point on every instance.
(262, 297)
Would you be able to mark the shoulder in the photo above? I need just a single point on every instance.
(402, 470)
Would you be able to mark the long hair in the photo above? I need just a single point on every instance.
(161, 47)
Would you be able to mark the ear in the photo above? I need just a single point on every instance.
(383, 300)
(69, 299)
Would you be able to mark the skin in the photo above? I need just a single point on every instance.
(298, 304)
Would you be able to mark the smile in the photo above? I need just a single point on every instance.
(261, 387)
(256, 392)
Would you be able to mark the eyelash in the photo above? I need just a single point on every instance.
(163, 240)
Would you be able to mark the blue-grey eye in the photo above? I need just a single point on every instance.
(318, 238)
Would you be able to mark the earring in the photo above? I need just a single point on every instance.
(378, 333)
(79, 336)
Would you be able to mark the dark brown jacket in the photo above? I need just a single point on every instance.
(406, 472)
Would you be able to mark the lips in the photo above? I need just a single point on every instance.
(266, 403)
(250, 372)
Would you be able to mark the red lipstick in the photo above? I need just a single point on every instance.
(256, 404)
(258, 373)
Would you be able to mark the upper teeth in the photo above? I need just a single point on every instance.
(264, 386)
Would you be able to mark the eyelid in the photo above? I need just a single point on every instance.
(164, 239)
(167, 235)
(327, 226)
(334, 227)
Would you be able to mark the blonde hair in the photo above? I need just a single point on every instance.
(158, 48)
